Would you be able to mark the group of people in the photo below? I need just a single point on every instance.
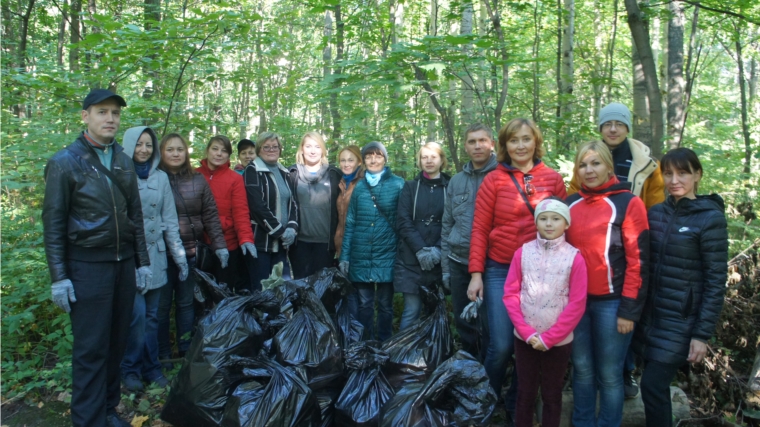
(498, 233)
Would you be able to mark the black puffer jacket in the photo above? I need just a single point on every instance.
(418, 221)
(87, 218)
(196, 212)
(689, 253)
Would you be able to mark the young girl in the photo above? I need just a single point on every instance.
(545, 296)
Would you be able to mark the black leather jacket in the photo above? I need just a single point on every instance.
(85, 217)
(689, 253)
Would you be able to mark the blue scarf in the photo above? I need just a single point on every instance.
(373, 178)
(350, 177)
(142, 169)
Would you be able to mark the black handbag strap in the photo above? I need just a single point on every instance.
(87, 157)
(522, 193)
(374, 201)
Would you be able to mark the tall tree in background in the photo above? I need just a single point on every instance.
(676, 85)
(640, 36)
(564, 109)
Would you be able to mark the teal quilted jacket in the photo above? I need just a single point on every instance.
(370, 241)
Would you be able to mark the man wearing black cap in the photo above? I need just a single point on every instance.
(96, 253)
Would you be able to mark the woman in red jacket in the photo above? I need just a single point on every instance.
(231, 200)
(503, 222)
(610, 229)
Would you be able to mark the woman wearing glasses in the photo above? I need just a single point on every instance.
(611, 231)
(503, 222)
(272, 204)
(369, 241)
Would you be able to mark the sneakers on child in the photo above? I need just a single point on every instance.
(630, 385)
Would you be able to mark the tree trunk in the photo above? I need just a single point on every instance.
(326, 62)
(20, 109)
(76, 35)
(493, 14)
(566, 92)
(448, 126)
(62, 32)
(536, 111)
(598, 55)
(467, 84)
(260, 90)
(432, 125)
(644, 48)
(642, 128)
(337, 70)
(151, 19)
(610, 56)
(676, 106)
(690, 75)
(745, 119)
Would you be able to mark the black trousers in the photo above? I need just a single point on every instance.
(100, 318)
(307, 258)
(655, 392)
(474, 336)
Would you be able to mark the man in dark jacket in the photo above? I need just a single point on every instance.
(458, 212)
(96, 253)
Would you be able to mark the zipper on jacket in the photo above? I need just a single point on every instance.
(115, 217)
(657, 271)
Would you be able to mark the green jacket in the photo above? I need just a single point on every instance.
(370, 240)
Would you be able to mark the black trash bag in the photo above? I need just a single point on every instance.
(234, 327)
(309, 342)
(456, 394)
(417, 350)
(211, 290)
(350, 331)
(330, 285)
(367, 390)
(326, 399)
(267, 394)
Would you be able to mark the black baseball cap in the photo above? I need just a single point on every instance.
(244, 144)
(96, 96)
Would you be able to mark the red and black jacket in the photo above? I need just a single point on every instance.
(610, 228)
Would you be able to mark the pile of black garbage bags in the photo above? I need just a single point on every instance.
(292, 355)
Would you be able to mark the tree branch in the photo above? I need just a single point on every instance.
(721, 11)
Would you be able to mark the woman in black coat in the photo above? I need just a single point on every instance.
(689, 256)
(418, 221)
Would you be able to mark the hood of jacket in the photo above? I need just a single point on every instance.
(469, 169)
(613, 186)
(129, 142)
(710, 202)
(204, 169)
(261, 166)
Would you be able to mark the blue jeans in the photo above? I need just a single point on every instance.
(141, 358)
(501, 343)
(412, 307)
(384, 297)
(181, 294)
(598, 357)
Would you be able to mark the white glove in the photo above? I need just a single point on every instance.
(288, 237)
(447, 281)
(63, 292)
(144, 277)
(183, 271)
(223, 255)
(343, 266)
(250, 248)
(470, 312)
(435, 251)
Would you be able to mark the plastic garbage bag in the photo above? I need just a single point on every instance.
(237, 326)
(210, 288)
(456, 394)
(417, 350)
(267, 394)
(309, 341)
(326, 399)
(350, 331)
(367, 389)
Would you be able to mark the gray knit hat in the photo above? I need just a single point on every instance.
(615, 111)
(552, 205)
(376, 145)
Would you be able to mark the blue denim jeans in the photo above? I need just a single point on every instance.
(141, 358)
(384, 296)
(598, 357)
(181, 294)
(412, 307)
(501, 342)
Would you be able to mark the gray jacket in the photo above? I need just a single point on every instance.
(458, 212)
(159, 211)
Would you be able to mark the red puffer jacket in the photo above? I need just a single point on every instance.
(503, 222)
(232, 203)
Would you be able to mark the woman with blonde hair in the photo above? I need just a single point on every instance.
(418, 221)
(611, 231)
(317, 189)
